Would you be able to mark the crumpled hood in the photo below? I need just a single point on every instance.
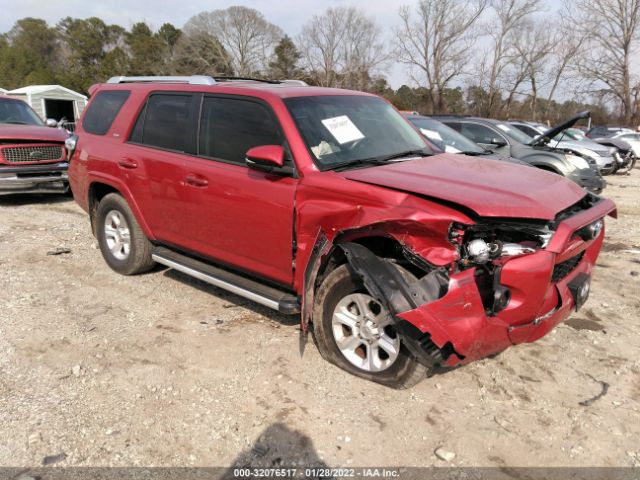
(36, 133)
(489, 188)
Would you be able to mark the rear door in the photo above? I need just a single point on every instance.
(237, 215)
(153, 159)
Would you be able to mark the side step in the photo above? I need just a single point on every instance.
(245, 287)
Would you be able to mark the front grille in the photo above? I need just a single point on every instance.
(33, 153)
(563, 269)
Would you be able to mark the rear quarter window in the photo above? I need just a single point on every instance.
(102, 111)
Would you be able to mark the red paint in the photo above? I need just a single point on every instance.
(247, 218)
(272, 154)
(31, 133)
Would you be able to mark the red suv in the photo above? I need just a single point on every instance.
(327, 203)
(33, 158)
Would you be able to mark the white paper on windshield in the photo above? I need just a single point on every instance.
(343, 129)
(503, 127)
(432, 134)
(450, 149)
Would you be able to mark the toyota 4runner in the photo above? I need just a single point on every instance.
(328, 204)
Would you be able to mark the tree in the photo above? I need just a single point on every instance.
(244, 34)
(343, 47)
(285, 62)
(437, 41)
(508, 17)
(86, 45)
(146, 50)
(200, 53)
(30, 54)
(611, 28)
(533, 46)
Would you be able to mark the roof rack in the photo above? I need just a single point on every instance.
(192, 80)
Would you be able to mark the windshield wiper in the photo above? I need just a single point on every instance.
(474, 153)
(16, 122)
(382, 160)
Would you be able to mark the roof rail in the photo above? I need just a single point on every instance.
(192, 80)
(300, 83)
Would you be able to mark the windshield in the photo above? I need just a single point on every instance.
(445, 138)
(18, 112)
(513, 133)
(344, 129)
(575, 134)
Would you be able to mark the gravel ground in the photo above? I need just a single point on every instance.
(97, 369)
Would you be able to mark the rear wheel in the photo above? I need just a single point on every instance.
(124, 246)
(356, 333)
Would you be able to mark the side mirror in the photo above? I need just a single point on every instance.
(265, 157)
(498, 142)
(51, 122)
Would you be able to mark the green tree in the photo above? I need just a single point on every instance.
(200, 53)
(285, 62)
(29, 55)
(146, 50)
(88, 43)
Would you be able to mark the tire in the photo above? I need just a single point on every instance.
(337, 289)
(133, 256)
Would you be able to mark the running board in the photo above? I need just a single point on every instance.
(258, 292)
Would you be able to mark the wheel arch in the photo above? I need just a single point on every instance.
(100, 188)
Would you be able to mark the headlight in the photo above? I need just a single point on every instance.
(577, 162)
(482, 243)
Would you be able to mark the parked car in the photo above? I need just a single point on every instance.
(446, 139)
(601, 131)
(631, 138)
(328, 204)
(33, 158)
(595, 153)
(505, 139)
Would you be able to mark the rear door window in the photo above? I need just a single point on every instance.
(231, 126)
(102, 111)
(164, 122)
(479, 133)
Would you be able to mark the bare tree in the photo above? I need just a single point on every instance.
(246, 36)
(508, 16)
(343, 47)
(534, 45)
(437, 41)
(612, 29)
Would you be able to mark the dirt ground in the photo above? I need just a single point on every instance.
(162, 370)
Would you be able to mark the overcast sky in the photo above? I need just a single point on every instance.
(290, 15)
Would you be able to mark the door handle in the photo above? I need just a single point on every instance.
(127, 163)
(196, 180)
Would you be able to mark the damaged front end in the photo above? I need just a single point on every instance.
(507, 282)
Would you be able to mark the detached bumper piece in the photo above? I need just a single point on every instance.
(50, 178)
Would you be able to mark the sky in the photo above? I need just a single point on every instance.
(290, 15)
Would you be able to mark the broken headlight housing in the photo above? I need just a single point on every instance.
(482, 243)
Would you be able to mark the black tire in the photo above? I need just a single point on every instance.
(138, 259)
(403, 373)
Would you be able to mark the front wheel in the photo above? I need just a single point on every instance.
(356, 333)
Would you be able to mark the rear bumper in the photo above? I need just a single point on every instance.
(51, 178)
(541, 297)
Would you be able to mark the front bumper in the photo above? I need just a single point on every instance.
(50, 178)
(541, 297)
(590, 181)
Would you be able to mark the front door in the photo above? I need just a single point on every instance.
(236, 215)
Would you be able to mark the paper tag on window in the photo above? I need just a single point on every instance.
(450, 149)
(431, 134)
(343, 129)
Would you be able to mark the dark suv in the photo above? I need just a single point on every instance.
(33, 158)
(327, 203)
(505, 139)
